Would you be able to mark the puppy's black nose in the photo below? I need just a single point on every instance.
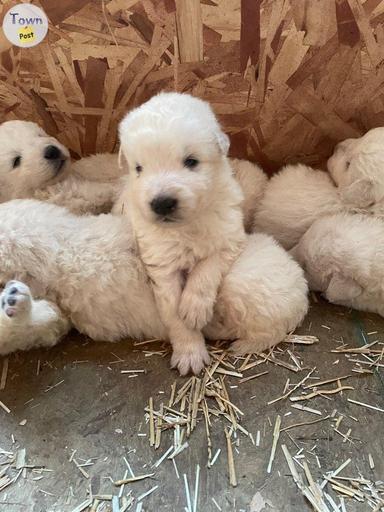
(52, 153)
(164, 205)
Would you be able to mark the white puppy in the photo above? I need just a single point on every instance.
(33, 164)
(87, 265)
(357, 167)
(343, 257)
(90, 276)
(294, 198)
(29, 159)
(185, 208)
(298, 195)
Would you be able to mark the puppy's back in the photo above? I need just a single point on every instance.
(293, 200)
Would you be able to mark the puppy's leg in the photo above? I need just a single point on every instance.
(189, 349)
(342, 289)
(199, 295)
(27, 323)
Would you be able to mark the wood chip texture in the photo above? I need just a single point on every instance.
(287, 78)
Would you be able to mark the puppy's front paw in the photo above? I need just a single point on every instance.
(15, 299)
(191, 359)
(195, 310)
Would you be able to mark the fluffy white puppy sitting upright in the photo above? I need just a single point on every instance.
(185, 209)
(88, 274)
(33, 164)
(343, 257)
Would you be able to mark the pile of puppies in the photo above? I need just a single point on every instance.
(163, 252)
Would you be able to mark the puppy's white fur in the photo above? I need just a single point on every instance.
(23, 168)
(298, 195)
(343, 257)
(89, 185)
(251, 178)
(87, 265)
(26, 323)
(357, 167)
(189, 248)
(253, 182)
(294, 198)
(88, 274)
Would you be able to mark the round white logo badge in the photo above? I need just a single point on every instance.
(25, 25)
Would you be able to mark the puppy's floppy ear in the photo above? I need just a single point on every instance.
(295, 253)
(361, 193)
(121, 160)
(223, 141)
(367, 187)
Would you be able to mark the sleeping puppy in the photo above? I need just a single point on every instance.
(294, 198)
(298, 195)
(357, 168)
(343, 257)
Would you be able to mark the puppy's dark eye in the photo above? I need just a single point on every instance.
(347, 164)
(138, 168)
(191, 162)
(16, 162)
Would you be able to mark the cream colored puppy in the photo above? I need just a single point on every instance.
(294, 198)
(33, 164)
(185, 209)
(357, 167)
(87, 274)
(343, 257)
(85, 269)
(29, 160)
(298, 195)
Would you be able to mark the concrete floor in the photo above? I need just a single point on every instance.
(81, 401)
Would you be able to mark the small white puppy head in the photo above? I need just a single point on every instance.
(29, 159)
(357, 167)
(176, 154)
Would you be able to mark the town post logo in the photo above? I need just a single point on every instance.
(25, 25)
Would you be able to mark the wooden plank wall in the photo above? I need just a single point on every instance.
(288, 78)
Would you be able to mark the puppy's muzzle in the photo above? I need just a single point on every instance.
(164, 206)
(56, 157)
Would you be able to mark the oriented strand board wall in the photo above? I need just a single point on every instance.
(288, 78)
